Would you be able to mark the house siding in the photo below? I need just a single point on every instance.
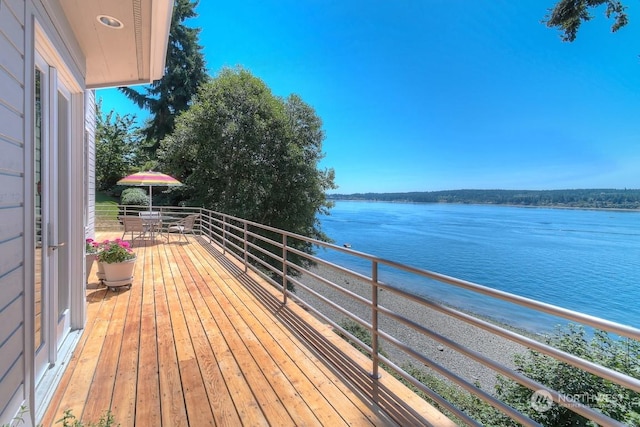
(12, 215)
(90, 159)
(17, 232)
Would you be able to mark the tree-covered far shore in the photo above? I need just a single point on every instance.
(584, 198)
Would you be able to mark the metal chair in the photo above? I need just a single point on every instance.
(185, 225)
(133, 224)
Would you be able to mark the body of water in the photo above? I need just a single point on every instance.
(583, 260)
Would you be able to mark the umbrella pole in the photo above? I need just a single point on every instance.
(150, 199)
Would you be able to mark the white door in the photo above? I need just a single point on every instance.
(62, 161)
(52, 113)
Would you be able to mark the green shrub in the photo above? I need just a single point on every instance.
(361, 333)
(18, 419)
(67, 420)
(460, 398)
(611, 399)
(134, 196)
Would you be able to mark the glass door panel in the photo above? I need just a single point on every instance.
(62, 202)
(40, 86)
(40, 170)
(52, 145)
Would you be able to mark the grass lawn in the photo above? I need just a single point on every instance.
(106, 208)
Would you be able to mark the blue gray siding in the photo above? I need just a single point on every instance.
(12, 214)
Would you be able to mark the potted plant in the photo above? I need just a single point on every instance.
(117, 260)
(91, 248)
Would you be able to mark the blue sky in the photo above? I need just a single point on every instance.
(424, 95)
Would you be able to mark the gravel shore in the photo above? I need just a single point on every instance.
(497, 348)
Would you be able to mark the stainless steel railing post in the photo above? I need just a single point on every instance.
(224, 234)
(284, 268)
(246, 247)
(374, 320)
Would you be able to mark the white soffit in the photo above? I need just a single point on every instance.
(132, 54)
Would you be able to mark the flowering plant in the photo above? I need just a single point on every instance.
(91, 247)
(115, 251)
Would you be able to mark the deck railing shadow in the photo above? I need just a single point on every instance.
(333, 356)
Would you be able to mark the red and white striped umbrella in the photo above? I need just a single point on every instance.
(150, 179)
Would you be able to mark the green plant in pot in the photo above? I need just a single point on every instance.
(91, 247)
(116, 259)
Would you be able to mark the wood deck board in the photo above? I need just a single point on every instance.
(65, 400)
(308, 372)
(287, 358)
(181, 311)
(102, 386)
(172, 404)
(193, 344)
(265, 364)
(74, 386)
(122, 406)
(148, 385)
(236, 334)
(222, 407)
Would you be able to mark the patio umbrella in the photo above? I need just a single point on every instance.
(150, 179)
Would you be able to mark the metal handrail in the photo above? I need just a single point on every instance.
(240, 238)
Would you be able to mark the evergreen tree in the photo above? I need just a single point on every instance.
(185, 71)
(568, 15)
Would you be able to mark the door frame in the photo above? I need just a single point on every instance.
(58, 58)
(44, 355)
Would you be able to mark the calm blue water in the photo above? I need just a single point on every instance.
(583, 260)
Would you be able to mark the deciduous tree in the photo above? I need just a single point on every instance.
(245, 152)
(117, 142)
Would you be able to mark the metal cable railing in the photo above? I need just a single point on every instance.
(270, 252)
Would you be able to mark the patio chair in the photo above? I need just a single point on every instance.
(134, 225)
(185, 225)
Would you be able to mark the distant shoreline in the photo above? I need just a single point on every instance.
(630, 210)
(627, 200)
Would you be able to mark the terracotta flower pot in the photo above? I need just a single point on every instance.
(118, 273)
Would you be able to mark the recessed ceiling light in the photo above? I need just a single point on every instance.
(109, 21)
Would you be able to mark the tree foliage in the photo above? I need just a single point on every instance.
(134, 196)
(578, 198)
(184, 72)
(117, 144)
(568, 15)
(612, 400)
(245, 152)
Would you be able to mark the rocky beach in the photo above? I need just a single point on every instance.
(495, 347)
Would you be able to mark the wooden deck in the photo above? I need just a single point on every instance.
(197, 342)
